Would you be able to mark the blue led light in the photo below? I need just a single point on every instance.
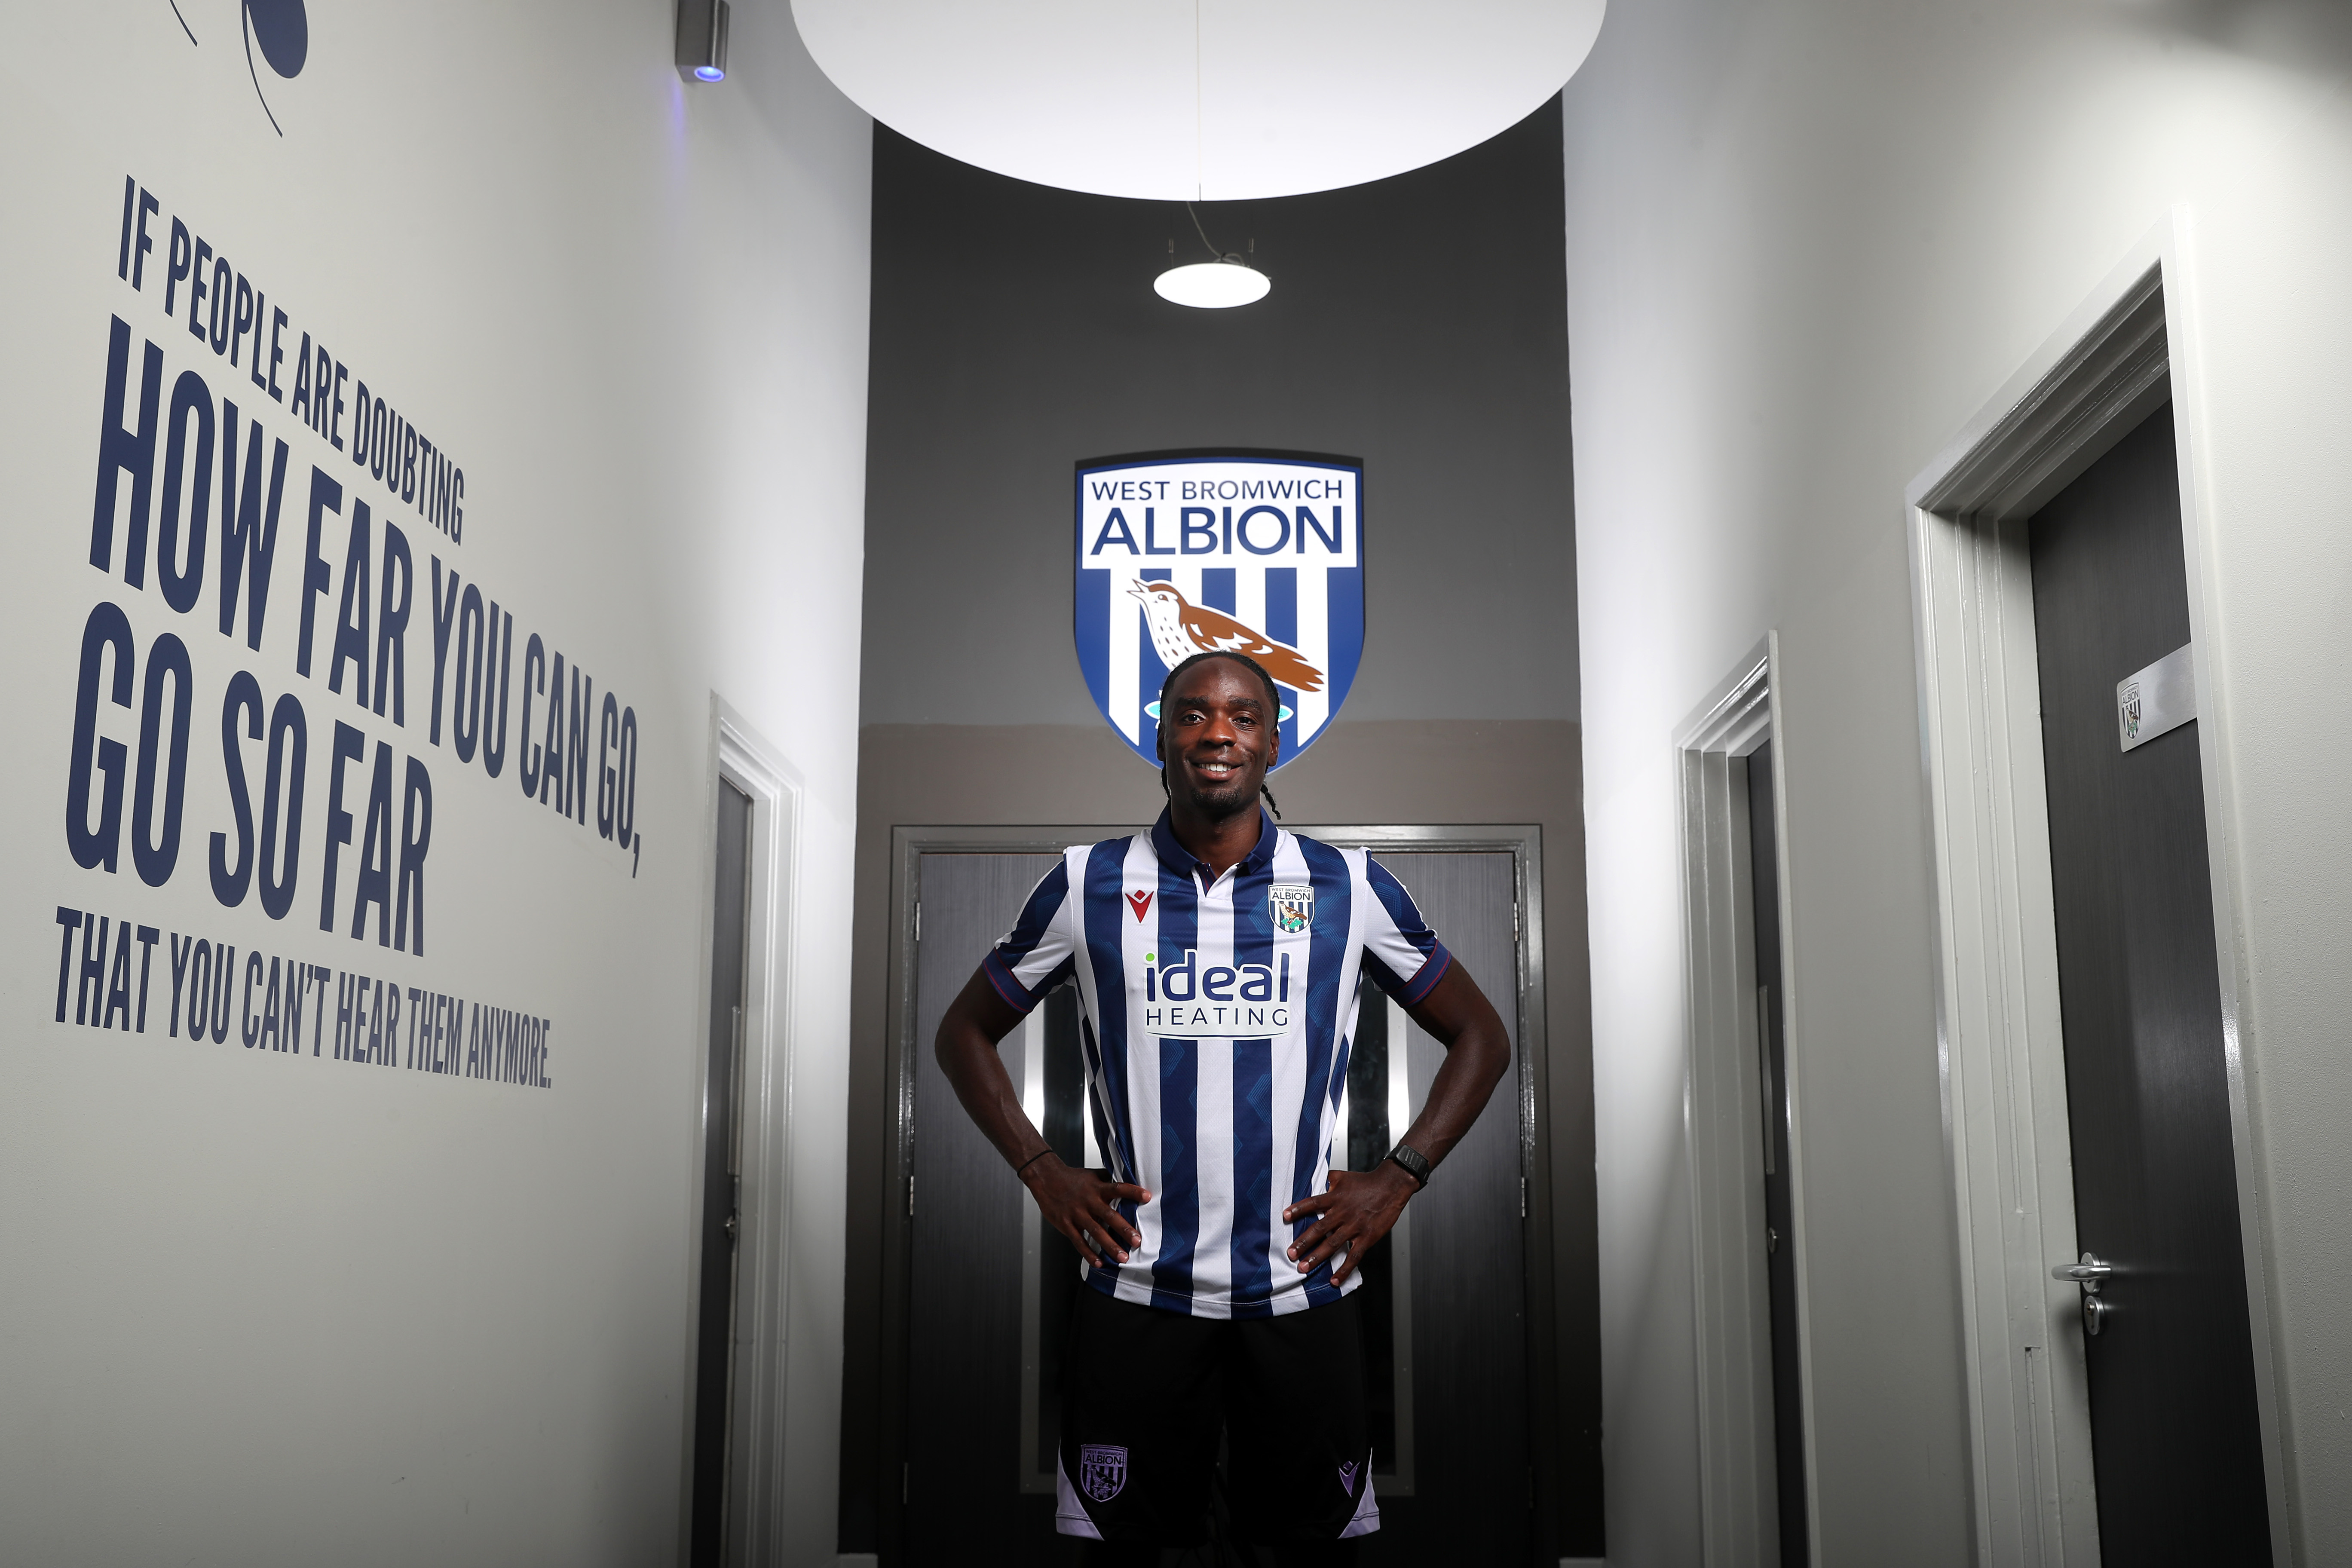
(709, 73)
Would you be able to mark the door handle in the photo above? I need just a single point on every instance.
(2088, 1274)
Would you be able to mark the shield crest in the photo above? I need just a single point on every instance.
(1102, 1470)
(1291, 906)
(1260, 556)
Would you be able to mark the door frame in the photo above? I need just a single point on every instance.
(757, 1517)
(1723, 1118)
(2123, 352)
(1522, 841)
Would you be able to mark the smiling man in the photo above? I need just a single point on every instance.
(1216, 959)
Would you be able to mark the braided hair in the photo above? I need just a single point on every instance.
(1273, 699)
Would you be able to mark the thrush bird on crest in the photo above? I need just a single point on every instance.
(1180, 628)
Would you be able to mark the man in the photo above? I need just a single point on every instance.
(1216, 960)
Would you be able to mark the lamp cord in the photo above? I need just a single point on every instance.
(1199, 154)
(1203, 232)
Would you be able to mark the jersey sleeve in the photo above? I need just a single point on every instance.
(1039, 953)
(1402, 954)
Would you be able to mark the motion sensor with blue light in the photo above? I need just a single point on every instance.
(702, 39)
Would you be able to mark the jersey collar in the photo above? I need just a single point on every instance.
(1176, 857)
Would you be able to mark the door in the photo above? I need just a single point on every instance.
(722, 1183)
(963, 1482)
(1780, 1212)
(1455, 1279)
(2176, 1443)
(989, 1288)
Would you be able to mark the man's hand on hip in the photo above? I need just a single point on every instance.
(1356, 1212)
(1079, 1203)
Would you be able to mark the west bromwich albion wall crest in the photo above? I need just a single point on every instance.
(1179, 555)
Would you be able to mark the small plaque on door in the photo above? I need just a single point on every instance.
(2152, 701)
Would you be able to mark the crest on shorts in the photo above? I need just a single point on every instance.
(1291, 905)
(1102, 1470)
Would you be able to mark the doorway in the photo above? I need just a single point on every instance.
(2175, 1432)
(1777, 1177)
(1743, 1146)
(2117, 1328)
(744, 1202)
(987, 1289)
(722, 1179)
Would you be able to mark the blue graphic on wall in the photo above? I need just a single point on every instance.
(1261, 555)
(282, 29)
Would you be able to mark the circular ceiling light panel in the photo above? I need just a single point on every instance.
(1212, 284)
(1199, 99)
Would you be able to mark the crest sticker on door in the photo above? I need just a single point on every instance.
(1292, 906)
(1262, 556)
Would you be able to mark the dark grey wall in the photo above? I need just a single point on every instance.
(1419, 325)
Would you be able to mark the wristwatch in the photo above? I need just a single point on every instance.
(1415, 1163)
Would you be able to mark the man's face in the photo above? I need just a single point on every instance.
(1217, 738)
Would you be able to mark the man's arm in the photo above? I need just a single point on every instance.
(1360, 1206)
(1076, 1202)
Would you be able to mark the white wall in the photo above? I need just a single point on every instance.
(267, 1310)
(1806, 240)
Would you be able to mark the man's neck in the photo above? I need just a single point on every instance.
(1222, 842)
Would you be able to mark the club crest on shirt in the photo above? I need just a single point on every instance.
(1102, 1470)
(1291, 905)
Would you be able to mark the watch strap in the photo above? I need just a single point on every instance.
(1415, 1163)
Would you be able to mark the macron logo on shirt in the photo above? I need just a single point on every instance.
(1141, 903)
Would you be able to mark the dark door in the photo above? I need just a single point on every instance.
(964, 1499)
(1455, 1281)
(1780, 1215)
(714, 1355)
(2174, 1434)
(989, 1294)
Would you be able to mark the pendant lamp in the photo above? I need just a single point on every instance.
(1218, 284)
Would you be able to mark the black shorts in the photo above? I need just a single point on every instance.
(1146, 1390)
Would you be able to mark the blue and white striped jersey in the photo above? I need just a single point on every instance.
(1217, 1019)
